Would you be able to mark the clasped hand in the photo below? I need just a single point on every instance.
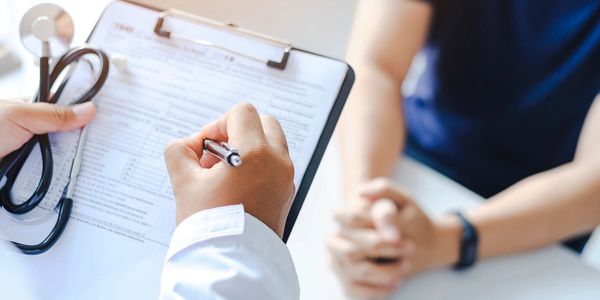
(383, 238)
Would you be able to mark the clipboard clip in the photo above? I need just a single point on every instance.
(286, 47)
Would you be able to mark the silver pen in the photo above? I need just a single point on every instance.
(224, 152)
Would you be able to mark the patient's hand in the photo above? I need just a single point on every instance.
(20, 121)
(384, 238)
(264, 183)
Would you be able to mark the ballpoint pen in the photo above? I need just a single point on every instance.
(224, 152)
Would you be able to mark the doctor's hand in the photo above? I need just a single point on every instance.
(264, 183)
(19, 121)
(384, 238)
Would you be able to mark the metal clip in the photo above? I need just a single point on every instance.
(286, 47)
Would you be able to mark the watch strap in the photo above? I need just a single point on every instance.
(469, 243)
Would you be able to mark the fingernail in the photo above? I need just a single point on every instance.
(84, 110)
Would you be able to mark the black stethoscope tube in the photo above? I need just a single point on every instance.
(44, 89)
(12, 164)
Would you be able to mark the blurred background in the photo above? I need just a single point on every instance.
(319, 25)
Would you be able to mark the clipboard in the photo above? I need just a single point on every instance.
(278, 63)
(316, 87)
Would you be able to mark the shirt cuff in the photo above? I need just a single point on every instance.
(219, 222)
(207, 224)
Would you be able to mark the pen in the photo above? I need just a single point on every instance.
(224, 152)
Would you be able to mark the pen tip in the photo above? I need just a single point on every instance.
(236, 161)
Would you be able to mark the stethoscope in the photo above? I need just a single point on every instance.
(47, 29)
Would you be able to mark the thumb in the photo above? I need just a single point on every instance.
(39, 118)
(384, 188)
(385, 219)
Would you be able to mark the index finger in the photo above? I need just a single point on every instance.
(355, 213)
(274, 133)
(240, 126)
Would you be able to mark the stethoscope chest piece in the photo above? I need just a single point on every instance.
(49, 23)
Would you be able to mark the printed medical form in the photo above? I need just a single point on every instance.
(170, 90)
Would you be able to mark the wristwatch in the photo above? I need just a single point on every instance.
(469, 243)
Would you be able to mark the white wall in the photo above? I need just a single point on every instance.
(318, 25)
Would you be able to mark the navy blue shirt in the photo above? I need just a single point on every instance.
(506, 89)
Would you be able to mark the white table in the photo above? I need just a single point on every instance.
(545, 274)
(550, 273)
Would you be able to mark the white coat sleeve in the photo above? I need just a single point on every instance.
(224, 253)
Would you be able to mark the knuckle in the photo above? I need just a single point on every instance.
(172, 148)
(340, 247)
(288, 170)
(351, 253)
(257, 152)
(294, 188)
(346, 254)
(383, 183)
(58, 114)
(246, 108)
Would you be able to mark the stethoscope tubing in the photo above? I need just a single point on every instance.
(12, 164)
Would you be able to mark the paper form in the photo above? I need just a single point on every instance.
(169, 90)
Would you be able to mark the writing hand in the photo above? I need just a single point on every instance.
(264, 183)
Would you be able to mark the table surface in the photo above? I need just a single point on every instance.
(552, 272)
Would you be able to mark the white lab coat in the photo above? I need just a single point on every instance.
(220, 253)
(224, 253)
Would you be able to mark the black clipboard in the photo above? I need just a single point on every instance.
(286, 47)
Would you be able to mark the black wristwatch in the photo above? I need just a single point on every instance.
(469, 242)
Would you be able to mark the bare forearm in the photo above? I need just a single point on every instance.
(386, 36)
(372, 128)
(538, 211)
